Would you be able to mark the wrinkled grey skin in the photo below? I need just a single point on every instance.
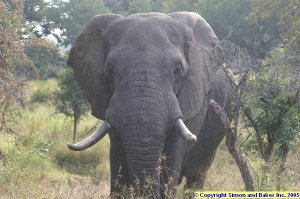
(142, 72)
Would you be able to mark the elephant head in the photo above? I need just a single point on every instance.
(144, 75)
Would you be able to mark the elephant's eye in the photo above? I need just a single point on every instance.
(178, 70)
(109, 67)
(109, 71)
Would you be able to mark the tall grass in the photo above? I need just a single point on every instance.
(36, 150)
(36, 163)
(224, 173)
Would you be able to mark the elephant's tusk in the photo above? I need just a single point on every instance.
(92, 139)
(184, 132)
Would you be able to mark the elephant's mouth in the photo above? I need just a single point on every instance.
(105, 127)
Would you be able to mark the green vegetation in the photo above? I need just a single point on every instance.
(35, 151)
(49, 62)
(69, 99)
(261, 43)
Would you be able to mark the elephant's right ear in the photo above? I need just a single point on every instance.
(87, 59)
(204, 54)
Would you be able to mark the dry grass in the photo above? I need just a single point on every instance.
(223, 175)
(36, 163)
(75, 187)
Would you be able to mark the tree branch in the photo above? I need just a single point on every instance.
(248, 114)
(230, 143)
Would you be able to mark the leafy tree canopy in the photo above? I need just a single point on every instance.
(66, 19)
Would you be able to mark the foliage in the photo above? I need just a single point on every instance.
(136, 6)
(263, 42)
(275, 106)
(50, 63)
(9, 49)
(59, 18)
(65, 19)
(33, 10)
(69, 99)
(117, 6)
(27, 150)
(177, 5)
(286, 11)
(127, 7)
(42, 91)
(40, 96)
(274, 109)
(29, 156)
(230, 20)
(12, 51)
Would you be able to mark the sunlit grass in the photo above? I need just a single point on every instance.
(225, 175)
(36, 152)
(49, 84)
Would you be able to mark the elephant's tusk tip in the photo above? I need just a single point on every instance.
(185, 132)
(191, 139)
(72, 147)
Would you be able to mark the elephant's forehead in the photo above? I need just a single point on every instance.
(154, 19)
(145, 29)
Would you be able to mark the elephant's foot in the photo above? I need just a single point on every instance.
(194, 183)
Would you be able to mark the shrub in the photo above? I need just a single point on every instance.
(41, 96)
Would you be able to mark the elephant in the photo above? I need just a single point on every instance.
(149, 77)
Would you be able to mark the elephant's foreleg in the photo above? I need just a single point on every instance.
(196, 179)
(171, 165)
(118, 166)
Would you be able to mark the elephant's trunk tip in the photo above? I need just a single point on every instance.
(92, 139)
(184, 132)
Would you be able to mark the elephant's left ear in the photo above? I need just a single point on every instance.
(203, 54)
(87, 59)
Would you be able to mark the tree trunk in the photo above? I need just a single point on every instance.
(75, 128)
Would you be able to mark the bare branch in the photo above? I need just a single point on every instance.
(230, 143)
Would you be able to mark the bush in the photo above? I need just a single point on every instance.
(94, 161)
(48, 72)
(41, 96)
(50, 63)
(26, 157)
(42, 91)
(77, 162)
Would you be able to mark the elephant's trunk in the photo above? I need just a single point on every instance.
(141, 115)
(144, 166)
(143, 136)
(143, 144)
